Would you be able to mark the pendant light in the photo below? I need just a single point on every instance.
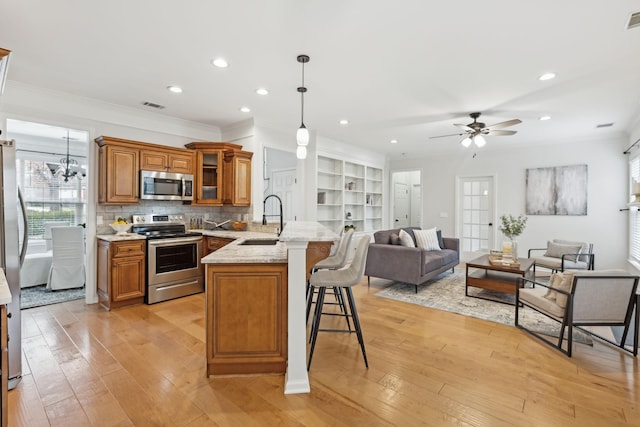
(68, 167)
(302, 135)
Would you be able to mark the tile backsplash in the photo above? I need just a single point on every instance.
(110, 213)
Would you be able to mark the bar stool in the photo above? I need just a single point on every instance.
(343, 278)
(332, 262)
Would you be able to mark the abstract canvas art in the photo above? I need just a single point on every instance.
(560, 190)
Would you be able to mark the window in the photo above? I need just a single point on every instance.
(48, 199)
(634, 211)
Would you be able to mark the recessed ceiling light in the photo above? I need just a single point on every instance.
(394, 141)
(544, 118)
(262, 91)
(245, 109)
(547, 76)
(174, 89)
(220, 63)
(344, 122)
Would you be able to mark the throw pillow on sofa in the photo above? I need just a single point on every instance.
(395, 239)
(427, 239)
(406, 239)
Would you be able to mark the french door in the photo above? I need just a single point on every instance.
(475, 214)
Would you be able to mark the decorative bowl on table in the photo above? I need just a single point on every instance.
(239, 225)
(121, 228)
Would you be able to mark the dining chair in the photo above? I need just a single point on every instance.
(67, 266)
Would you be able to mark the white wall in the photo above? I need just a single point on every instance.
(604, 224)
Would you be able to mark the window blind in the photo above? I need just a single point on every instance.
(634, 212)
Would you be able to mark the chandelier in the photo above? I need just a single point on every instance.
(68, 167)
(302, 136)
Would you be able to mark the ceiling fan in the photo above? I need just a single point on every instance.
(474, 131)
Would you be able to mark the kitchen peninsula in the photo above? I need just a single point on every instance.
(255, 303)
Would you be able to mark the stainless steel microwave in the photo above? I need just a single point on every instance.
(165, 186)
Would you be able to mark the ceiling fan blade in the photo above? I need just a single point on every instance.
(501, 132)
(505, 124)
(465, 127)
(443, 136)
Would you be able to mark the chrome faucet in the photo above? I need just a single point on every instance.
(264, 209)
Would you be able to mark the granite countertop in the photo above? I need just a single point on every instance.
(119, 237)
(235, 253)
(232, 234)
(294, 231)
(5, 293)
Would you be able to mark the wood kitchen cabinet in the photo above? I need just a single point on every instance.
(237, 178)
(222, 174)
(121, 272)
(246, 318)
(175, 161)
(120, 162)
(118, 175)
(213, 243)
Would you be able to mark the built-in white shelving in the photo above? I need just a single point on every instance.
(349, 194)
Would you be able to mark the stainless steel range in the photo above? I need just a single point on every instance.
(173, 256)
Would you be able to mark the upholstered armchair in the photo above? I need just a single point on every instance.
(581, 299)
(561, 255)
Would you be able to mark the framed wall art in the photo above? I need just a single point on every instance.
(560, 190)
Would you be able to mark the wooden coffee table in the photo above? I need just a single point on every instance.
(497, 278)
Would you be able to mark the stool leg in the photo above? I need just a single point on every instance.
(310, 292)
(315, 327)
(356, 323)
(343, 306)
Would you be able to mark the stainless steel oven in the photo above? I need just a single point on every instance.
(174, 268)
(173, 257)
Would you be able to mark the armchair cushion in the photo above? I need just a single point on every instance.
(562, 281)
(556, 250)
(584, 249)
(538, 298)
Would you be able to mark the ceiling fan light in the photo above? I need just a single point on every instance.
(466, 142)
(479, 141)
(301, 152)
(302, 135)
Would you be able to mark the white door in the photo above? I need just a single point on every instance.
(401, 205)
(283, 181)
(416, 205)
(475, 215)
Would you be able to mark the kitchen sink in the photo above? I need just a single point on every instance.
(257, 242)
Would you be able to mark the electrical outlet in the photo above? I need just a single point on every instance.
(99, 220)
(444, 215)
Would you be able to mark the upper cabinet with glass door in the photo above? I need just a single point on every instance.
(223, 174)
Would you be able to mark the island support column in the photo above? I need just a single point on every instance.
(296, 379)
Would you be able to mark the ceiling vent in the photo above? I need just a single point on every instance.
(634, 21)
(153, 105)
(604, 125)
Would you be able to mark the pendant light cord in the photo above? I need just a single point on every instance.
(302, 97)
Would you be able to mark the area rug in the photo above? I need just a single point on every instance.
(446, 292)
(36, 296)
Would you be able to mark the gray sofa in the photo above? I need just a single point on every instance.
(409, 265)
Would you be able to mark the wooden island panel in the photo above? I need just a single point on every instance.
(246, 318)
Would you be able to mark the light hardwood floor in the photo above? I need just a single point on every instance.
(145, 366)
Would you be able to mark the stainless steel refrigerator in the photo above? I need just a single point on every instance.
(10, 254)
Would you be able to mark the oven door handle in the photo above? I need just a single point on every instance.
(174, 241)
